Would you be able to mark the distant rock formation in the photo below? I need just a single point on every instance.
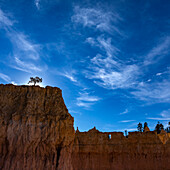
(36, 132)
(146, 129)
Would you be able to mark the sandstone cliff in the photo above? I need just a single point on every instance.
(36, 132)
(95, 150)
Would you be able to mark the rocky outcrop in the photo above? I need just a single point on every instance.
(146, 129)
(95, 150)
(36, 132)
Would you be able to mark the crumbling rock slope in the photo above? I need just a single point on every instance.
(36, 133)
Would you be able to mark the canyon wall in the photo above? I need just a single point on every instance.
(36, 132)
(95, 150)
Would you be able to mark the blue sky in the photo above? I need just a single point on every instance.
(111, 59)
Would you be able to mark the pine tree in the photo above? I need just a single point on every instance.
(145, 125)
(159, 127)
(140, 128)
(168, 128)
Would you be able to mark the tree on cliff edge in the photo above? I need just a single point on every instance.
(168, 128)
(145, 125)
(35, 80)
(159, 127)
(140, 128)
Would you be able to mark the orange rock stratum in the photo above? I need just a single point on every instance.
(36, 132)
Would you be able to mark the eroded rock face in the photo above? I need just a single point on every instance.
(36, 130)
(95, 150)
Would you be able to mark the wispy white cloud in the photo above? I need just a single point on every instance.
(126, 121)
(74, 112)
(45, 4)
(112, 73)
(84, 104)
(70, 76)
(125, 77)
(104, 62)
(165, 113)
(97, 18)
(4, 20)
(25, 55)
(156, 91)
(22, 46)
(164, 116)
(37, 3)
(124, 112)
(106, 70)
(87, 97)
(5, 77)
(153, 92)
(109, 59)
(91, 41)
(86, 100)
(107, 46)
(68, 73)
(158, 74)
(157, 52)
(104, 44)
(26, 66)
(158, 118)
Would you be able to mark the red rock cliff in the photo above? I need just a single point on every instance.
(36, 132)
(95, 150)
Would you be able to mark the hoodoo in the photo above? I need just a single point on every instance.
(36, 132)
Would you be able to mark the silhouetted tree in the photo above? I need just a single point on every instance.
(35, 80)
(140, 128)
(168, 128)
(145, 125)
(159, 127)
